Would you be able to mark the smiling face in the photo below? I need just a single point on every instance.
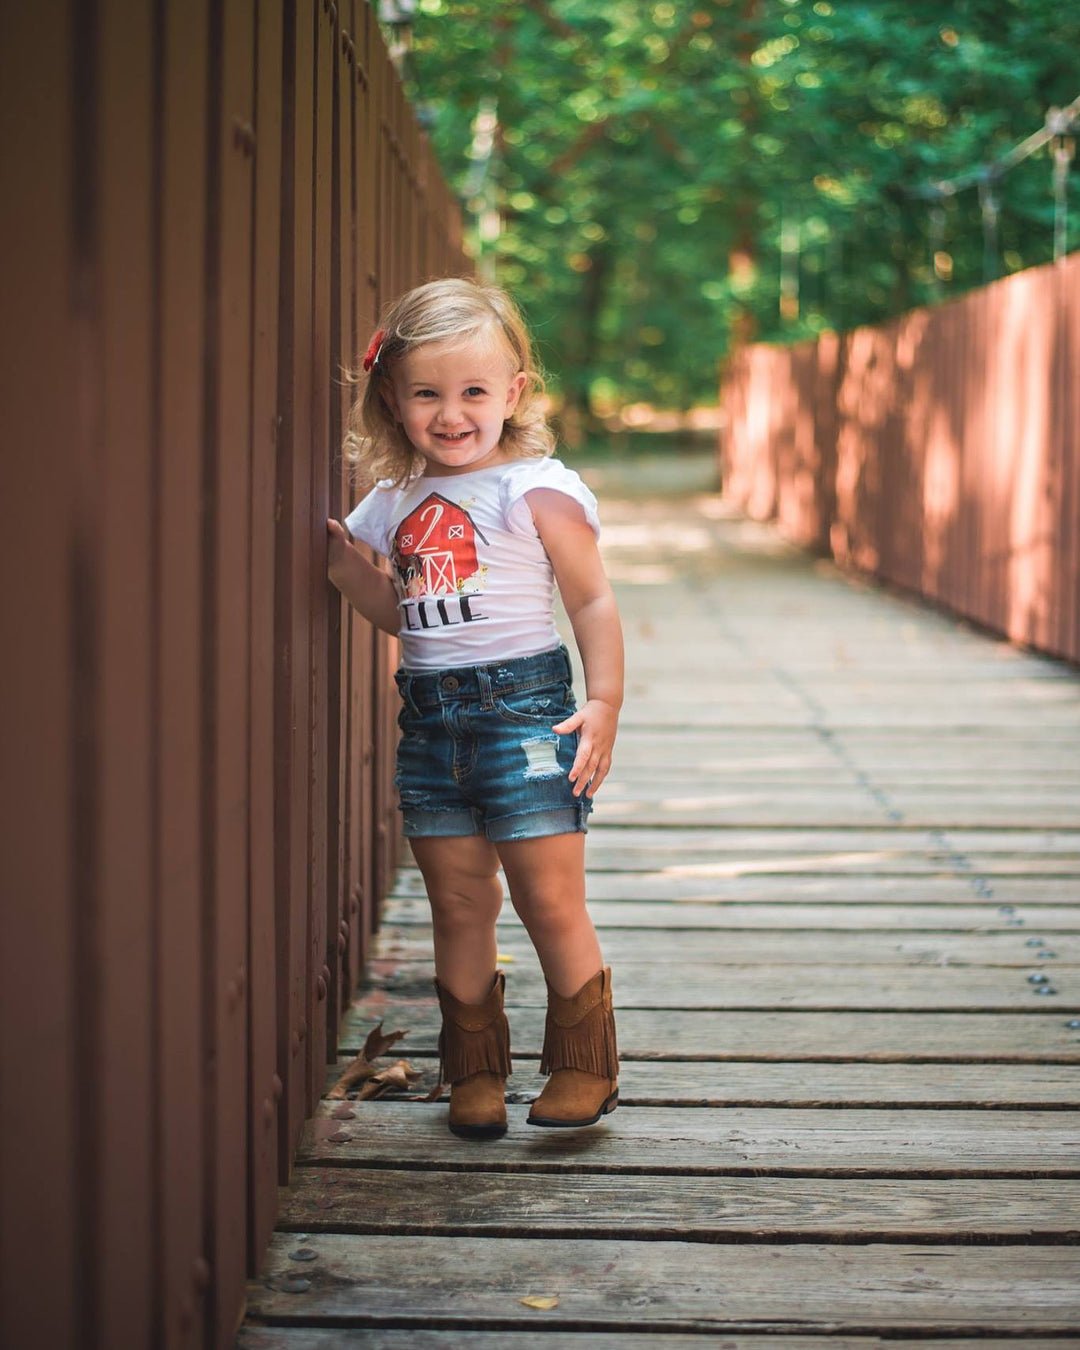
(452, 401)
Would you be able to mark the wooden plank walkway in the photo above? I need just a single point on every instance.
(836, 873)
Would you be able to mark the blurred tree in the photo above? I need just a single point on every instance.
(671, 175)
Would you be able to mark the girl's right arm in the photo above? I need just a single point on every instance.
(365, 587)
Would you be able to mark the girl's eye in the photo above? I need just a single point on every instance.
(474, 390)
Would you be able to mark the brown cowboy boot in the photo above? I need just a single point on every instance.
(581, 1055)
(474, 1058)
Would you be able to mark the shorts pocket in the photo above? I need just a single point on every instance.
(537, 707)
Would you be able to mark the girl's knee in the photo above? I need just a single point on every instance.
(464, 902)
(548, 910)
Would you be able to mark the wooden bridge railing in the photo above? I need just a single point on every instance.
(940, 452)
(204, 205)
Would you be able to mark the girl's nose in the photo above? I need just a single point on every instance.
(449, 414)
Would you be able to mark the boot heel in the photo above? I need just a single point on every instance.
(493, 1131)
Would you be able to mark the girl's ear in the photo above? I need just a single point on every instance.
(389, 398)
(514, 392)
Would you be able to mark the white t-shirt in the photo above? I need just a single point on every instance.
(473, 580)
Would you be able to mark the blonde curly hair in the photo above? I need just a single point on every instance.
(451, 310)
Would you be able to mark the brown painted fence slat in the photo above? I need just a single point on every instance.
(204, 205)
(318, 455)
(180, 694)
(292, 594)
(340, 339)
(226, 624)
(121, 1103)
(264, 1084)
(939, 451)
(41, 965)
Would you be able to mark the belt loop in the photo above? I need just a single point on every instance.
(484, 679)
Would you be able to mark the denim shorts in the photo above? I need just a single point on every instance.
(477, 754)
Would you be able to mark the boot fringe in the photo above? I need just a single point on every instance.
(588, 1045)
(474, 1038)
(463, 1053)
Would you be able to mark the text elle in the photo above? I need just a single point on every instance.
(441, 613)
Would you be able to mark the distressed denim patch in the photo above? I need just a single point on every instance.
(542, 756)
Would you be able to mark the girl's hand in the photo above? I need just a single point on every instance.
(598, 722)
(339, 547)
(366, 587)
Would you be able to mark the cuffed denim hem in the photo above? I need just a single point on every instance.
(537, 824)
(521, 825)
(442, 824)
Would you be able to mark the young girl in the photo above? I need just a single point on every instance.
(496, 763)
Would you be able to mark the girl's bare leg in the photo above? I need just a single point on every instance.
(547, 888)
(460, 875)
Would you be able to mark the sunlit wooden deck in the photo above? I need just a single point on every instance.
(836, 874)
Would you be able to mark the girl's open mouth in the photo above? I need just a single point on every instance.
(454, 437)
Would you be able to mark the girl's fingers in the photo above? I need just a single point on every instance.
(577, 772)
(595, 779)
(587, 773)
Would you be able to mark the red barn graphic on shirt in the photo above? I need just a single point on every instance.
(434, 549)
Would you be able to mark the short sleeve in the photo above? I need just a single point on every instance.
(545, 473)
(369, 520)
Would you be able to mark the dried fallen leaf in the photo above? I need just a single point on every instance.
(378, 1042)
(399, 1077)
(503, 959)
(436, 1092)
(356, 1071)
(540, 1300)
(360, 1069)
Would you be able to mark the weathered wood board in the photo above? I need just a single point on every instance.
(699, 1208)
(803, 1083)
(765, 841)
(1035, 1037)
(691, 1141)
(722, 915)
(661, 1285)
(702, 851)
(793, 946)
(954, 884)
(724, 810)
(698, 985)
(280, 1337)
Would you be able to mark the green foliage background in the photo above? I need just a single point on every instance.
(640, 146)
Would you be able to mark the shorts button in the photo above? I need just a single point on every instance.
(450, 683)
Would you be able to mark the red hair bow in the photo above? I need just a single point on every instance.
(375, 346)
